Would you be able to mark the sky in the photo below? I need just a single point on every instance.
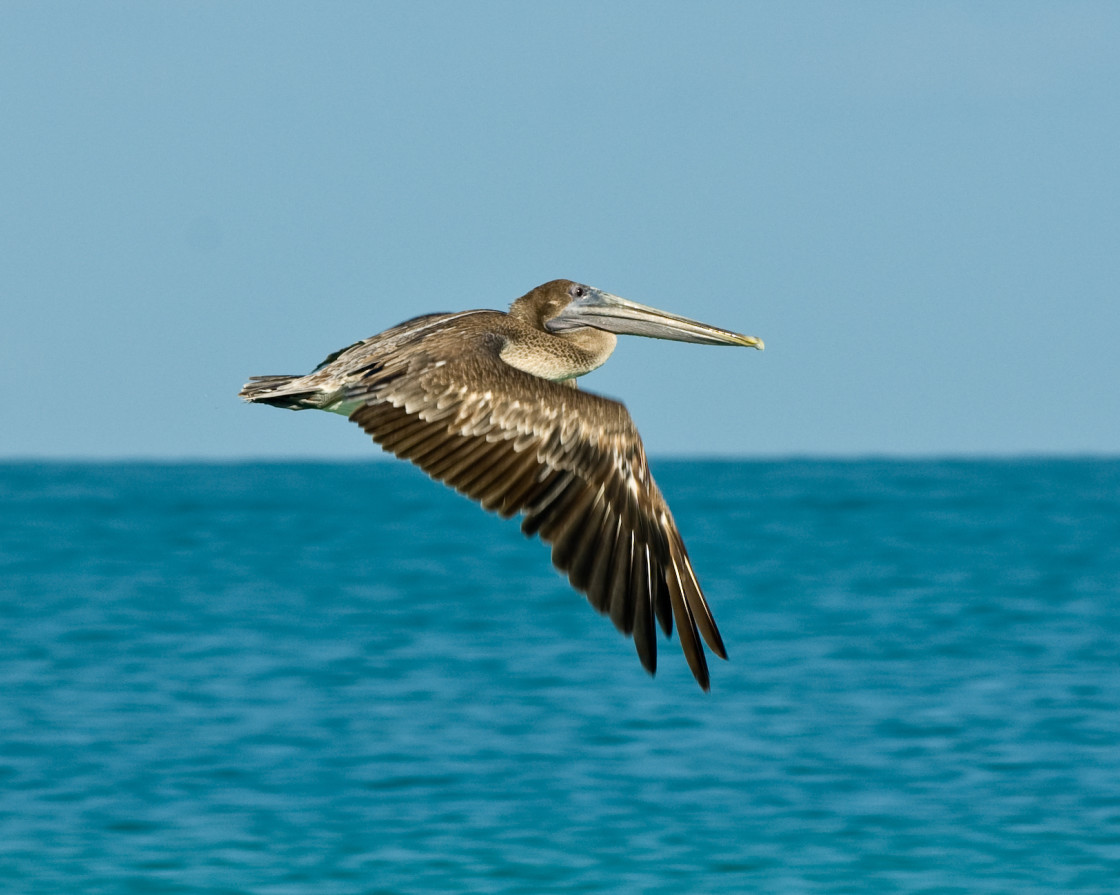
(916, 206)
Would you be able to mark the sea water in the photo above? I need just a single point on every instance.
(344, 678)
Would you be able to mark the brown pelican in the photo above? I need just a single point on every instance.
(487, 403)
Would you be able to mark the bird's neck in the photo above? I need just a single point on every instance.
(557, 357)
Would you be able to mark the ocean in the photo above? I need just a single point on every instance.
(344, 678)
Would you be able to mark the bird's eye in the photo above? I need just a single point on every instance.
(578, 291)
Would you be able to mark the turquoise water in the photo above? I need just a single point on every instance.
(338, 678)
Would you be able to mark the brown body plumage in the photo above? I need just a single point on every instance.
(482, 401)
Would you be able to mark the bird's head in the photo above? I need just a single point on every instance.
(563, 307)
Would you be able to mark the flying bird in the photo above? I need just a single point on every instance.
(487, 403)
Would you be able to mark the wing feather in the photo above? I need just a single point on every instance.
(645, 637)
(569, 461)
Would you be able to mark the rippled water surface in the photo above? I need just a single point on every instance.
(337, 678)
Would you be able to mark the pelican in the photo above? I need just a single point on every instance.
(487, 403)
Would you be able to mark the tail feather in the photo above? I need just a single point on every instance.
(278, 391)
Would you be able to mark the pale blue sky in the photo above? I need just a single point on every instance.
(917, 206)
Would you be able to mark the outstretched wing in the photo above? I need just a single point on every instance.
(571, 462)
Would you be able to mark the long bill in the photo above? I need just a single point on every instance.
(624, 317)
